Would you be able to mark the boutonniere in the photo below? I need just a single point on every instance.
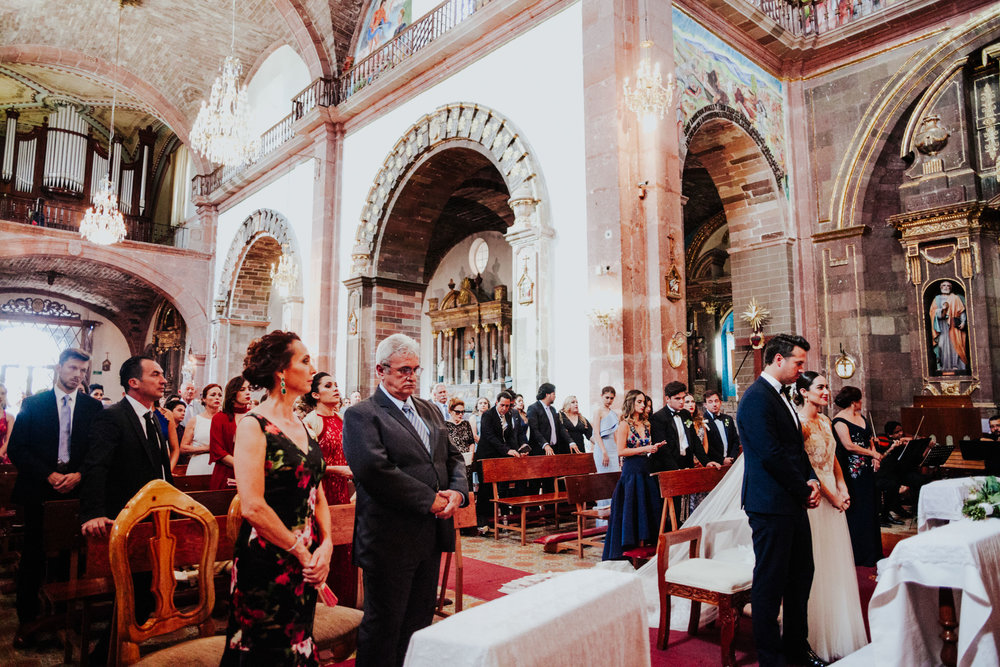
(688, 423)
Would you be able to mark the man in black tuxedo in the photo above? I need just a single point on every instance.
(548, 435)
(409, 480)
(127, 448)
(47, 445)
(673, 424)
(498, 437)
(778, 486)
(723, 436)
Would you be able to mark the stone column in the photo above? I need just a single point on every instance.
(327, 151)
(532, 298)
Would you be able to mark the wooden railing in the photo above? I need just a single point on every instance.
(15, 208)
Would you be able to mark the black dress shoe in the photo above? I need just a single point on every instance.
(894, 521)
(813, 660)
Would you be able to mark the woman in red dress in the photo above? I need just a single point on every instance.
(235, 403)
(327, 427)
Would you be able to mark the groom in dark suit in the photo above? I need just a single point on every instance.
(778, 486)
(47, 445)
(409, 480)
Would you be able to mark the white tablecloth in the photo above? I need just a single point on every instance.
(903, 613)
(941, 502)
(586, 617)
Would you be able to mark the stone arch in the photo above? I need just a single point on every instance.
(899, 93)
(750, 186)
(262, 223)
(380, 289)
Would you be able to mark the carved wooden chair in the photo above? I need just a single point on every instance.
(584, 491)
(161, 546)
(724, 583)
(335, 629)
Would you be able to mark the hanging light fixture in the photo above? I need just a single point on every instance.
(221, 132)
(103, 223)
(648, 98)
(283, 274)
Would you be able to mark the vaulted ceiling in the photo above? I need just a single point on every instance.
(170, 50)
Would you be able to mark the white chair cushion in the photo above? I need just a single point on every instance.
(712, 575)
(741, 554)
(205, 651)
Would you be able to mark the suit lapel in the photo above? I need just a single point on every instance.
(783, 406)
(398, 415)
(140, 432)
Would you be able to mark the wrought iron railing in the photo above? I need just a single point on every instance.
(55, 216)
(821, 16)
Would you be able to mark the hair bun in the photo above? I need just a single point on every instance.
(266, 356)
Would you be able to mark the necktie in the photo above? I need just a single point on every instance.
(419, 425)
(153, 441)
(65, 429)
(552, 427)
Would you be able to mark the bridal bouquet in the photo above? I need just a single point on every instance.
(983, 501)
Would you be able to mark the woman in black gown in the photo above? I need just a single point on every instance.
(859, 460)
(283, 550)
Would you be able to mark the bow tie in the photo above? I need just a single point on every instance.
(786, 390)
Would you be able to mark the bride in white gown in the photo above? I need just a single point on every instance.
(836, 626)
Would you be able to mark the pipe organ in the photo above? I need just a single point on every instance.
(471, 340)
(58, 168)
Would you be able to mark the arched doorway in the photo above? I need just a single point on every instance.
(459, 174)
(247, 304)
(738, 241)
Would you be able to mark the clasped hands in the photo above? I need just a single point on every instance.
(445, 503)
(63, 483)
(814, 495)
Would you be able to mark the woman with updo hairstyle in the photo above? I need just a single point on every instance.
(636, 503)
(222, 434)
(197, 439)
(282, 554)
(859, 459)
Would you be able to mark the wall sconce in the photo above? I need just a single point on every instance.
(604, 318)
(642, 189)
(844, 365)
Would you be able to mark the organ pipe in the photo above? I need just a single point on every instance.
(25, 179)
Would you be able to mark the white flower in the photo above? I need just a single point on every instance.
(987, 508)
(304, 647)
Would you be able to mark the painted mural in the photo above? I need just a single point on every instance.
(709, 71)
(383, 21)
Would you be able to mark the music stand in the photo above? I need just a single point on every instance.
(913, 453)
(976, 450)
(938, 455)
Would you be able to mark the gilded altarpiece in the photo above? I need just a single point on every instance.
(471, 340)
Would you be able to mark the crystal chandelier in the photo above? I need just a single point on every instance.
(649, 98)
(221, 132)
(283, 274)
(103, 223)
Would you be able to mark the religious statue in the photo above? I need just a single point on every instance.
(949, 333)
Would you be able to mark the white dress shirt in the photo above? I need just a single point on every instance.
(63, 457)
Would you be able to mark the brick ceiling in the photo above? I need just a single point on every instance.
(125, 299)
(173, 47)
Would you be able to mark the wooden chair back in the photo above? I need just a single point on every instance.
(510, 469)
(465, 517)
(234, 518)
(172, 544)
(675, 483)
(583, 490)
(217, 502)
(342, 524)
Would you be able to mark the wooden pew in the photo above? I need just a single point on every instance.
(189, 483)
(511, 469)
(584, 491)
(8, 514)
(674, 484)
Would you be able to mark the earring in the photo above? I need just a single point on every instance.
(283, 392)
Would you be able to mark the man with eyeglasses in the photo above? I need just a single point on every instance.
(409, 480)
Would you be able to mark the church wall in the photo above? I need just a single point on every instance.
(292, 196)
(536, 81)
(278, 79)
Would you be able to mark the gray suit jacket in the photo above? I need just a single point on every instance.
(397, 480)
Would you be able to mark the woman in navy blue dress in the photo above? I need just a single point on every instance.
(636, 503)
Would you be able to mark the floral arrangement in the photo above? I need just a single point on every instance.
(983, 500)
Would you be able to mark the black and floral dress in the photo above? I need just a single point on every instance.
(272, 607)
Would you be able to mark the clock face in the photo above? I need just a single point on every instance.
(479, 256)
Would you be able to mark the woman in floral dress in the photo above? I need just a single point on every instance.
(326, 425)
(283, 550)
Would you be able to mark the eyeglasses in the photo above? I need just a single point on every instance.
(407, 371)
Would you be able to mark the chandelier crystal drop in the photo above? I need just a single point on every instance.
(221, 131)
(283, 274)
(649, 98)
(103, 223)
